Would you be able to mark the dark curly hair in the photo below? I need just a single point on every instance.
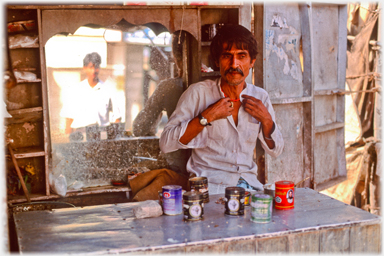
(233, 34)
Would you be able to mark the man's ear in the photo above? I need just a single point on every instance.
(253, 62)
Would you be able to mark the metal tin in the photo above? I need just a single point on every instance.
(247, 198)
(193, 205)
(234, 200)
(172, 200)
(200, 184)
(261, 211)
(284, 195)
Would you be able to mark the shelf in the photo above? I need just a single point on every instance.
(214, 73)
(24, 115)
(206, 43)
(24, 69)
(20, 81)
(86, 191)
(29, 47)
(329, 127)
(27, 152)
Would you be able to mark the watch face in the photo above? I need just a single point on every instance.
(203, 121)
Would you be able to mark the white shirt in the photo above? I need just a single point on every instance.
(89, 105)
(221, 152)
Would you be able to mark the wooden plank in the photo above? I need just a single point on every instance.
(44, 89)
(330, 183)
(272, 245)
(32, 154)
(325, 110)
(289, 165)
(334, 240)
(240, 246)
(365, 239)
(304, 242)
(258, 26)
(282, 67)
(325, 157)
(308, 108)
(290, 100)
(68, 20)
(19, 117)
(340, 101)
(329, 127)
(85, 191)
(204, 248)
(325, 46)
(116, 6)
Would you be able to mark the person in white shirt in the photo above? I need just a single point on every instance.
(92, 100)
(220, 120)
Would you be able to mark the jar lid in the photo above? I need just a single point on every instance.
(284, 184)
(234, 190)
(261, 197)
(193, 195)
(172, 187)
(202, 180)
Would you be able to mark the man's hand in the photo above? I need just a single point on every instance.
(219, 110)
(256, 109)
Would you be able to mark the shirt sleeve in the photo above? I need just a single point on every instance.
(187, 108)
(276, 134)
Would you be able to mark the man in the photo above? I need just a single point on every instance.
(92, 100)
(221, 120)
(165, 97)
(166, 94)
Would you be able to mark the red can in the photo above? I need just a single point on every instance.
(284, 195)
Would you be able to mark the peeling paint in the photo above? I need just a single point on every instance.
(28, 127)
(278, 21)
(290, 41)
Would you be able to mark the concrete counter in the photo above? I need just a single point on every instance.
(317, 224)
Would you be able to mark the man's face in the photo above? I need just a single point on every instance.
(234, 65)
(92, 71)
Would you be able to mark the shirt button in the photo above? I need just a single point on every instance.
(234, 151)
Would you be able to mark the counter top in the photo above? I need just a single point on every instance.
(106, 229)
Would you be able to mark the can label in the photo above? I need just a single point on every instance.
(234, 204)
(172, 200)
(193, 209)
(284, 195)
(247, 198)
(261, 211)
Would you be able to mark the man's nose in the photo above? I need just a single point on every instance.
(234, 62)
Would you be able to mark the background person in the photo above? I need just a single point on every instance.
(91, 100)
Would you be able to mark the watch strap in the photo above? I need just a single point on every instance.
(201, 117)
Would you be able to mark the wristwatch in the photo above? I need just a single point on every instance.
(203, 121)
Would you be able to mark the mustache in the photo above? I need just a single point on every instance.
(234, 70)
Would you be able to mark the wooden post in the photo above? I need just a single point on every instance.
(19, 174)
